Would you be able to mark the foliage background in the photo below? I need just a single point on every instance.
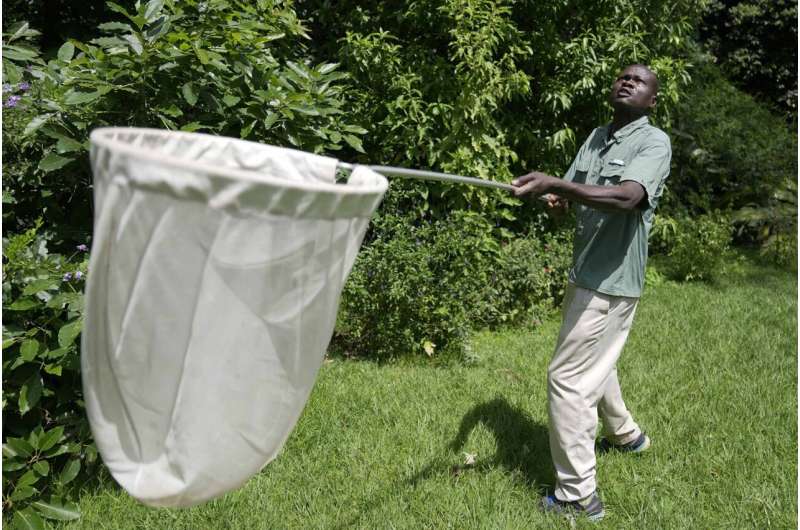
(477, 87)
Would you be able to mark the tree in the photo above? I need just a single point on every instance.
(755, 43)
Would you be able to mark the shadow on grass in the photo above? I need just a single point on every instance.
(522, 449)
(522, 445)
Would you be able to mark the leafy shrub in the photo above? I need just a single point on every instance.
(46, 436)
(774, 225)
(699, 246)
(728, 151)
(412, 287)
(531, 277)
(174, 66)
(420, 287)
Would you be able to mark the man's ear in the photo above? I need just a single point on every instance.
(653, 101)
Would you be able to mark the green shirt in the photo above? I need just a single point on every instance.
(610, 250)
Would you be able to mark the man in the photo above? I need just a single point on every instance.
(616, 180)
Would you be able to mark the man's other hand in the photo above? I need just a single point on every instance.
(556, 206)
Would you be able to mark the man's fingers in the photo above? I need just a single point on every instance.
(519, 181)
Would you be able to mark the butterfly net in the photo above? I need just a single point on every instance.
(216, 271)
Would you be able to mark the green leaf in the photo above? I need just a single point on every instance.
(74, 97)
(272, 117)
(66, 51)
(328, 67)
(11, 73)
(27, 519)
(28, 479)
(35, 123)
(52, 161)
(30, 393)
(135, 43)
(70, 471)
(53, 369)
(62, 299)
(202, 55)
(29, 349)
(51, 438)
(118, 8)
(42, 467)
(36, 286)
(109, 42)
(247, 129)
(113, 26)
(308, 111)
(66, 145)
(13, 465)
(17, 31)
(17, 447)
(19, 53)
(193, 126)
(189, 94)
(354, 142)
(23, 304)
(68, 332)
(66, 511)
(298, 69)
(153, 9)
(231, 100)
(355, 129)
(57, 451)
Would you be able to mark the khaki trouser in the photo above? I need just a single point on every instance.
(582, 382)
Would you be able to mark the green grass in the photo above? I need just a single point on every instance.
(709, 371)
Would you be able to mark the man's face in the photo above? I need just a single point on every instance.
(634, 89)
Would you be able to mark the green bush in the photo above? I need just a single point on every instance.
(773, 226)
(699, 246)
(530, 279)
(227, 67)
(47, 442)
(411, 288)
(421, 286)
(728, 151)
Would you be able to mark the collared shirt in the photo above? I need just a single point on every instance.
(610, 250)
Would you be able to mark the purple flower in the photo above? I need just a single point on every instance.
(67, 277)
(82, 248)
(24, 86)
(78, 275)
(7, 87)
(12, 101)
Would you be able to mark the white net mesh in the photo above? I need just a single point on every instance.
(216, 271)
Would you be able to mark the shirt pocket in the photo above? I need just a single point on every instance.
(581, 171)
(610, 174)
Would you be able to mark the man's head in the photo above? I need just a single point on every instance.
(635, 90)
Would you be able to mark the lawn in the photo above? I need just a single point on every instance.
(709, 371)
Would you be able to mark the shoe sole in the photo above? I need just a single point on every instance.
(642, 448)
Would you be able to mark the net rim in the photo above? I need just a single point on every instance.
(103, 137)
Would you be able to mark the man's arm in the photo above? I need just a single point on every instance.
(622, 198)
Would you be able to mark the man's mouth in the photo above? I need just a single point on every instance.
(623, 92)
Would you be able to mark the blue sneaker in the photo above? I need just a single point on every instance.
(591, 507)
(639, 445)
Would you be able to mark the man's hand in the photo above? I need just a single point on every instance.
(534, 183)
(556, 206)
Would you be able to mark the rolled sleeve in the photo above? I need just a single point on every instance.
(650, 167)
